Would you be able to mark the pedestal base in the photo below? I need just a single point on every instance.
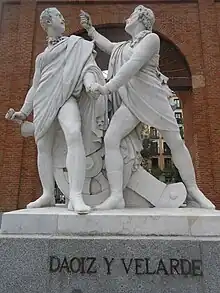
(56, 251)
(44, 264)
(152, 221)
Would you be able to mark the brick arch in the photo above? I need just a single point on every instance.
(172, 63)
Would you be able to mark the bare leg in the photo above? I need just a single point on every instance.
(70, 122)
(122, 123)
(182, 160)
(45, 169)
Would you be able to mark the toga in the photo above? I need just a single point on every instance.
(62, 69)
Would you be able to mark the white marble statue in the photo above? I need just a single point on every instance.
(139, 93)
(60, 100)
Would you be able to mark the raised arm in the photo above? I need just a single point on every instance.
(102, 42)
(28, 103)
(144, 51)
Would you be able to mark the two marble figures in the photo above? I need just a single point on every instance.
(99, 147)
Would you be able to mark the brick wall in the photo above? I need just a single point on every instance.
(193, 26)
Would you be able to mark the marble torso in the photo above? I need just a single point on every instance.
(128, 51)
(145, 94)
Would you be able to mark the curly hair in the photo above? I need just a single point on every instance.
(46, 16)
(145, 16)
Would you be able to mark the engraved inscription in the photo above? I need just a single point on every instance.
(128, 266)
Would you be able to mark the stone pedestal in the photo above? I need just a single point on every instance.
(135, 222)
(133, 251)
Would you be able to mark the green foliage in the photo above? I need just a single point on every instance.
(156, 172)
(171, 174)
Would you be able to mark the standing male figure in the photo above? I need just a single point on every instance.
(61, 72)
(138, 94)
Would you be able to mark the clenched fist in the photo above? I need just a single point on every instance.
(15, 116)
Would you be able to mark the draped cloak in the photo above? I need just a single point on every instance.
(62, 71)
(146, 96)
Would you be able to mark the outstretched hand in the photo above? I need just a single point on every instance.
(85, 20)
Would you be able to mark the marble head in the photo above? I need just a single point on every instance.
(143, 15)
(52, 21)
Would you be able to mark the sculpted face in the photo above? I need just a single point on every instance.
(141, 15)
(58, 22)
(53, 21)
(131, 22)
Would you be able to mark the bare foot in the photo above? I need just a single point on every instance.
(77, 204)
(196, 194)
(114, 201)
(43, 201)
